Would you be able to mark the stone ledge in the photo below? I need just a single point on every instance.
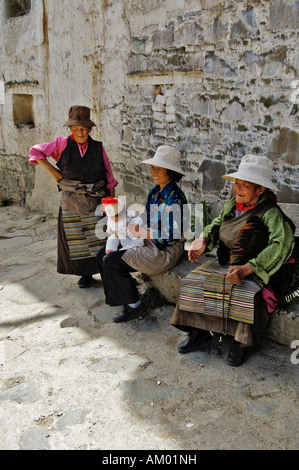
(292, 211)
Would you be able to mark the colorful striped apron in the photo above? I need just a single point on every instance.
(81, 233)
(206, 291)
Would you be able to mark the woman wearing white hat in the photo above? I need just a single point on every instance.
(235, 294)
(164, 243)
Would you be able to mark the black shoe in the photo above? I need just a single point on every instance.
(129, 313)
(237, 355)
(196, 340)
(85, 281)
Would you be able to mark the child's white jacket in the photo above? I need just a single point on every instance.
(120, 235)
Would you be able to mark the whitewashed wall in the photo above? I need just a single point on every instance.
(218, 79)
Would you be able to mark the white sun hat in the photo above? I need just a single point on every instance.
(166, 157)
(254, 169)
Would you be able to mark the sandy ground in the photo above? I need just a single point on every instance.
(72, 379)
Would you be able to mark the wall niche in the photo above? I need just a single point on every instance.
(22, 107)
(16, 8)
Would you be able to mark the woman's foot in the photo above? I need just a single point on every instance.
(238, 354)
(85, 281)
(129, 313)
(195, 341)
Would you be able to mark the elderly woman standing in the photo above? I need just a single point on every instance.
(234, 295)
(164, 242)
(84, 177)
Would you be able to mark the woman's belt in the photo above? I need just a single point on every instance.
(80, 197)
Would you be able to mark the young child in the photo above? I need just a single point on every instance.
(118, 220)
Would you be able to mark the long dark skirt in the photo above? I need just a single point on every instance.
(209, 302)
(84, 266)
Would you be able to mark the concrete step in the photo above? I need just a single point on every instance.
(292, 211)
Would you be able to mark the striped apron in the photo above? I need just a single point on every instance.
(81, 233)
(206, 291)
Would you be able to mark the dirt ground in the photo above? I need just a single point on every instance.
(72, 379)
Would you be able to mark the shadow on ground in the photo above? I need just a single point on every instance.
(72, 379)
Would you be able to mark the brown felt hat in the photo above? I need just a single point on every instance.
(79, 116)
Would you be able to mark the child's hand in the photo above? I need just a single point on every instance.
(133, 229)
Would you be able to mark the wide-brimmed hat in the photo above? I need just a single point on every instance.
(166, 157)
(79, 116)
(254, 169)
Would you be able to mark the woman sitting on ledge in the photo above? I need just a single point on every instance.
(235, 295)
(163, 243)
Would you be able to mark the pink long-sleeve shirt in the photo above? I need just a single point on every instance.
(55, 148)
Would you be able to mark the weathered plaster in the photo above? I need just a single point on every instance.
(218, 79)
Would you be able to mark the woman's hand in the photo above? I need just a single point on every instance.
(196, 249)
(236, 274)
(56, 174)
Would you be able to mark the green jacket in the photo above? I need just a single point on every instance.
(280, 238)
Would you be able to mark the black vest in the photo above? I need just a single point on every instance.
(89, 168)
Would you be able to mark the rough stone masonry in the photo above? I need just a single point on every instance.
(217, 79)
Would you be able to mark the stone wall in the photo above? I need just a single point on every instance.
(217, 79)
(218, 83)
